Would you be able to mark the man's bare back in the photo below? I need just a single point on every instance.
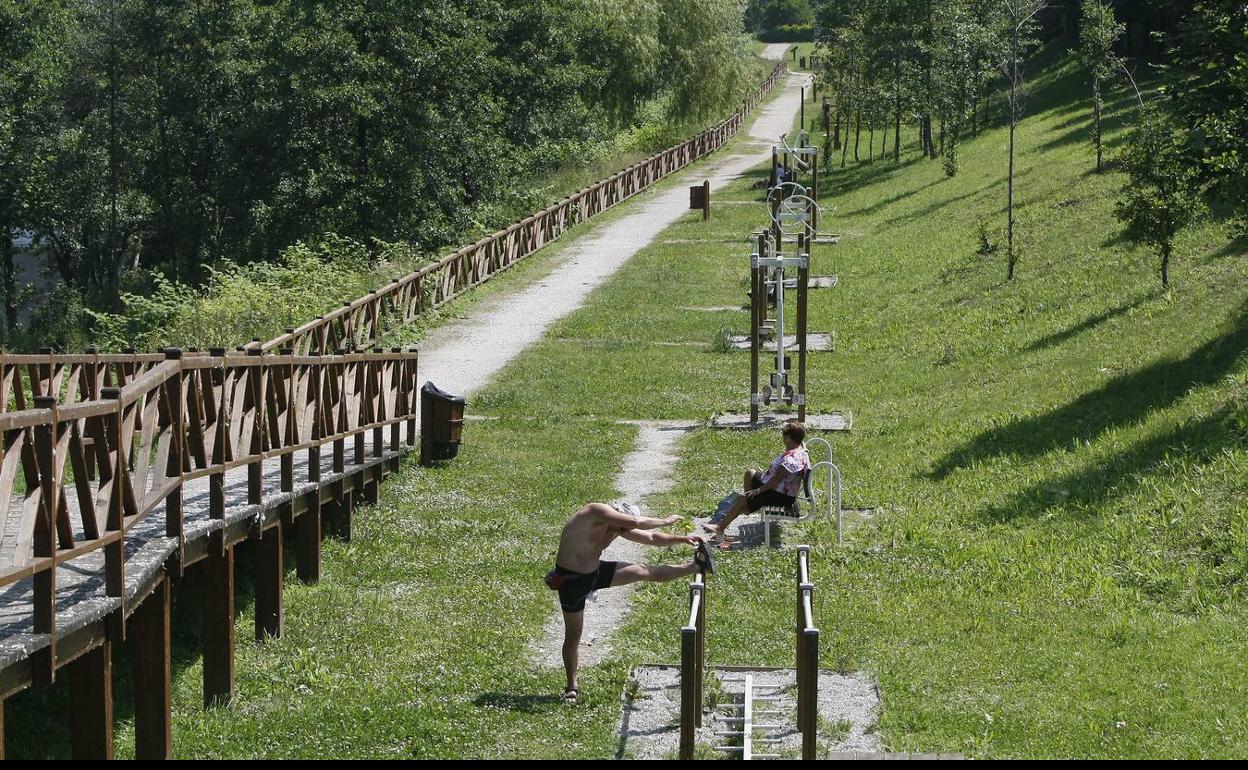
(591, 529)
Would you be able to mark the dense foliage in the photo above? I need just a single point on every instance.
(780, 21)
(141, 137)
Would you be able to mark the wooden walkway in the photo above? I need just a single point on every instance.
(81, 601)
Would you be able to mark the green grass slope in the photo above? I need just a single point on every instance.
(1056, 562)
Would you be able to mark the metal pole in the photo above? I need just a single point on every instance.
(803, 280)
(778, 277)
(756, 310)
(811, 693)
(688, 646)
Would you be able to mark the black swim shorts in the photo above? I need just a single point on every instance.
(770, 499)
(575, 587)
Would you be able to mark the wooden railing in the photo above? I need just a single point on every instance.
(97, 444)
(359, 325)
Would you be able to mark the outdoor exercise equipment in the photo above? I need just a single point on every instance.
(793, 512)
(796, 161)
(747, 718)
(793, 217)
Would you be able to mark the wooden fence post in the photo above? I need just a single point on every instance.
(44, 544)
(270, 570)
(175, 397)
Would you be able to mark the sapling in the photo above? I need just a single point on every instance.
(1098, 35)
(1162, 195)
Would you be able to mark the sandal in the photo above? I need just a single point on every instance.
(571, 696)
(702, 558)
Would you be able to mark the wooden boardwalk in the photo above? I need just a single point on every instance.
(81, 601)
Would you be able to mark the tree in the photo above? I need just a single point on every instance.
(32, 65)
(1162, 195)
(1099, 32)
(1019, 34)
(1210, 93)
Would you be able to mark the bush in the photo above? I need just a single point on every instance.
(262, 299)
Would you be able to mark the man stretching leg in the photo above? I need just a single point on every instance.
(579, 570)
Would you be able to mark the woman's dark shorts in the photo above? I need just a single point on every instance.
(575, 587)
(769, 499)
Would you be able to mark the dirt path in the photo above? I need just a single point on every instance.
(463, 356)
(647, 470)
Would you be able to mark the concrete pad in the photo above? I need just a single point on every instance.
(838, 421)
(816, 342)
(822, 282)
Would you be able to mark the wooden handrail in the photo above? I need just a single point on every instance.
(113, 459)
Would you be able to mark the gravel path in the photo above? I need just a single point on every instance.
(775, 51)
(463, 356)
(647, 470)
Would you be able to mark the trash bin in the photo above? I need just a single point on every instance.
(441, 423)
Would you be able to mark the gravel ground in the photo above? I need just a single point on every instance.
(650, 720)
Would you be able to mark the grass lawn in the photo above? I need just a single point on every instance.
(1055, 561)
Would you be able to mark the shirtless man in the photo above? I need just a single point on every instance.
(579, 570)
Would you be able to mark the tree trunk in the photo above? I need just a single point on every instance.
(857, 133)
(1010, 258)
(1096, 117)
(896, 109)
(871, 140)
(9, 271)
(1165, 265)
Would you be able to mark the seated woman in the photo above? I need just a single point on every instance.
(778, 487)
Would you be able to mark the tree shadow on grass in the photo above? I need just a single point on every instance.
(1234, 248)
(1200, 439)
(1124, 400)
(1087, 324)
(525, 703)
(886, 202)
(931, 208)
(855, 176)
